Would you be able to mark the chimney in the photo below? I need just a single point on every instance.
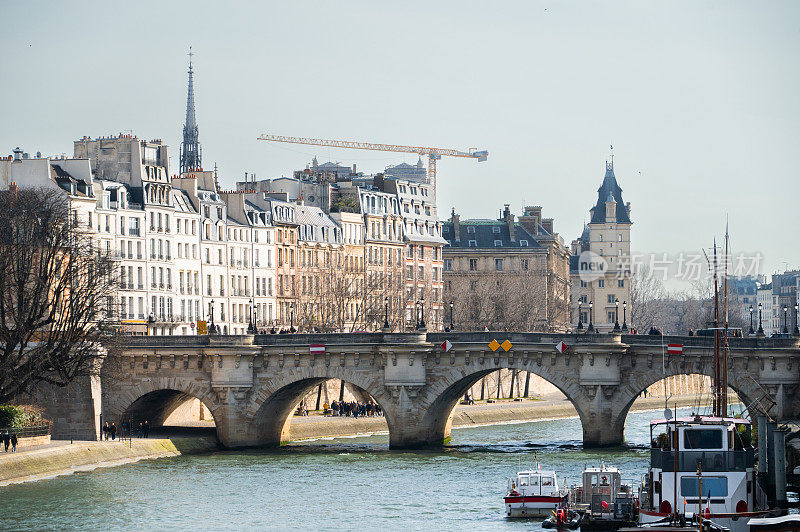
(509, 219)
(354, 169)
(531, 218)
(456, 219)
(12, 187)
(628, 207)
(547, 225)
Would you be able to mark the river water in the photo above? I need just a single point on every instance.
(341, 484)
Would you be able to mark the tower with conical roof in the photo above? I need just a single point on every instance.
(191, 154)
(606, 241)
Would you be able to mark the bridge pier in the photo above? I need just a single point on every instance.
(603, 432)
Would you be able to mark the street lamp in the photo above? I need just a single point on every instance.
(580, 315)
(386, 312)
(416, 313)
(616, 314)
(796, 331)
(211, 329)
(291, 319)
(624, 315)
(751, 320)
(251, 328)
(760, 329)
(422, 313)
(591, 323)
(785, 319)
(451, 314)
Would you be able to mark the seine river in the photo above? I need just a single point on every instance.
(341, 484)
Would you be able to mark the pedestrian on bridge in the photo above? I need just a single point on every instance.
(6, 440)
(14, 442)
(146, 429)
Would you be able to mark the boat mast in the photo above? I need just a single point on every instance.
(725, 346)
(716, 374)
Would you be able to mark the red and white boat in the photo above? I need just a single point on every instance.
(534, 493)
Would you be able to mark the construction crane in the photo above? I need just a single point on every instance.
(434, 154)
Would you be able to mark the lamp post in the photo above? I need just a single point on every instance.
(386, 312)
(416, 313)
(422, 313)
(751, 320)
(251, 328)
(785, 319)
(150, 321)
(451, 314)
(591, 323)
(796, 331)
(580, 315)
(624, 315)
(616, 314)
(760, 329)
(291, 319)
(211, 310)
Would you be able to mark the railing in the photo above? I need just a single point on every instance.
(711, 461)
(28, 432)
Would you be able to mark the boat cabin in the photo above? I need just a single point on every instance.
(535, 482)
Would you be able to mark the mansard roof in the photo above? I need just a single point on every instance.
(484, 235)
(610, 188)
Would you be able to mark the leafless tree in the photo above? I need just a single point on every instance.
(647, 292)
(56, 293)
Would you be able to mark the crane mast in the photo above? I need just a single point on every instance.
(433, 154)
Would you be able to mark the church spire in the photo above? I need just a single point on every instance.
(190, 156)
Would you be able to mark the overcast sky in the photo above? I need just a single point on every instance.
(700, 99)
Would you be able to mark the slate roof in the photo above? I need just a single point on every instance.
(573, 264)
(485, 236)
(610, 188)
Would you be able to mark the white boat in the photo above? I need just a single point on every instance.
(604, 500)
(534, 493)
(711, 473)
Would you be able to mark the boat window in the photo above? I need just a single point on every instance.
(702, 439)
(523, 481)
(534, 481)
(711, 486)
(547, 482)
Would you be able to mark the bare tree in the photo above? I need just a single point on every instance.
(647, 293)
(56, 293)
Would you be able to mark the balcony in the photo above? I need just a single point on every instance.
(134, 231)
(140, 286)
(711, 461)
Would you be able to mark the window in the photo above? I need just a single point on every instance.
(470, 229)
(702, 439)
(473, 265)
(716, 486)
(621, 284)
(611, 316)
(523, 264)
(601, 283)
(448, 265)
(498, 264)
(496, 230)
(473, 243)
(498, 243)
(523, 243)
(611, 299)
(584, 284)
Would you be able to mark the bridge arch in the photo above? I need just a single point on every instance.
(154, 399)
(270, 409)
(638, 382)
(443, 396)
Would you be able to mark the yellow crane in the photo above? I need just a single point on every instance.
(434, 154)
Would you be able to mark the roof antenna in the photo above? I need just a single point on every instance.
(216, 183)
(612, 156)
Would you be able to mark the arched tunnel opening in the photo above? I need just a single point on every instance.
(310, 409)
(167, 412)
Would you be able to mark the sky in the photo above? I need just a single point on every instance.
(698, 98)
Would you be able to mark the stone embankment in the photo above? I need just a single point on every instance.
(314, 427)
(63, 458)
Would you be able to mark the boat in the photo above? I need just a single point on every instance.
(604, 500)
(534, 493)
(703, 465)
(563, 518)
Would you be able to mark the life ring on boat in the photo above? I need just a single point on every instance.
(513, 493)
(604, 480)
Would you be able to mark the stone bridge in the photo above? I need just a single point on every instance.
(251, 384)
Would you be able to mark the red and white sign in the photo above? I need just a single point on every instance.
(316, 349)
(674, 349)
(561, 347)
(446, 345)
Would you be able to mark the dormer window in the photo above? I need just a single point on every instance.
(473, 243)
(498, 243)
(470, 229)
(496, 230)
(523, 243)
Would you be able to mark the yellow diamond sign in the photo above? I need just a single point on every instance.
(494, 345)
(506, 345)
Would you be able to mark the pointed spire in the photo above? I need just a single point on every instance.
(190, 155)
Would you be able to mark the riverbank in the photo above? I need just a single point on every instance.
(505, 411)
(63, 458)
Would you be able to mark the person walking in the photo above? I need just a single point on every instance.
(113, 432)
(6, 441)
(14, 442)
(105, 430)
(146, 429)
